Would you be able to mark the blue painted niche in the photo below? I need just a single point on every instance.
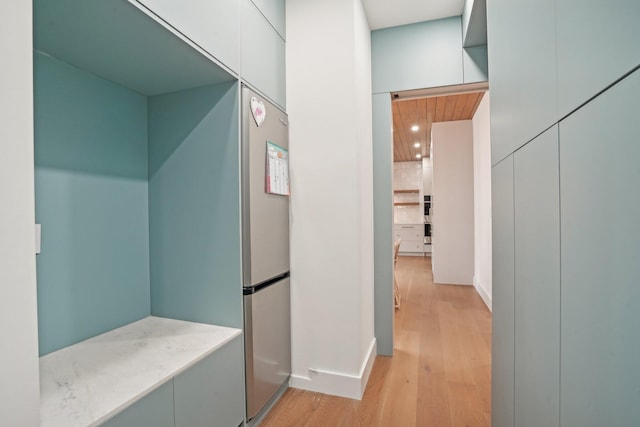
(138, 197)
(92, 201)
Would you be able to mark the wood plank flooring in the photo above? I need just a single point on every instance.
(439, 375)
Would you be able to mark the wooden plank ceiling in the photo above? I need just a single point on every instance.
(422, 113)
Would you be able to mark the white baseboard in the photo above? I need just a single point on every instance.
(367, 366)
(482, 292)
(338, 383)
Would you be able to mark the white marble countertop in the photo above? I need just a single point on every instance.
(89, 382)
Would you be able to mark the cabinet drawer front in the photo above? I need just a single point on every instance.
(153, 410)
(411, 246)
(411, 232)
(211, 392)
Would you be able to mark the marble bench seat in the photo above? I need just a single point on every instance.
(87, 383)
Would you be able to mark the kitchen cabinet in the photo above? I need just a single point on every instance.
(411, 238)
(599, 154)
(522, 49)
(211, 25)
(147, 373)
(537, 290)
(211, 394)
(274, 11)
(595, 49)
(153, 410)
(263, 54)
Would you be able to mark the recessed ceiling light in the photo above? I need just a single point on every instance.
(417, 144)
(415, 128)
(418, 156)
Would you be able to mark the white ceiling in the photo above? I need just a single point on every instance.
(391, 13)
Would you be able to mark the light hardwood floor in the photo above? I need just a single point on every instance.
(439, 375)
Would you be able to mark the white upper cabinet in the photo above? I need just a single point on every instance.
(212, 25)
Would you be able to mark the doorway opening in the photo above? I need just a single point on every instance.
(413, 118)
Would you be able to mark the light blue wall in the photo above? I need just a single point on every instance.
(415, 56)
(91, 199)
(194, 205)
(382, 222)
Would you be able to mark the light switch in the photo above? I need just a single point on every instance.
(38, 238)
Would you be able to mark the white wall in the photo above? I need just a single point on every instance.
(19, 394)
(452, 217)
(329, 106)
(482, 200)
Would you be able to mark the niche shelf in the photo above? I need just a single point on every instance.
(403, 201)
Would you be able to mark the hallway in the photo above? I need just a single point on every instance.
(440, 374)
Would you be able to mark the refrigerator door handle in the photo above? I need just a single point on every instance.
(249, 290)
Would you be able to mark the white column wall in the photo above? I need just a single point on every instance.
(19, 394)
(482, 200)
(452, 249)
(362, 76)
(329, 106)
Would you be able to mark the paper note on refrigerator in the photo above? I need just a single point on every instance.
(277, 176)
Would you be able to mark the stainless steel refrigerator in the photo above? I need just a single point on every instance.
(265, 223)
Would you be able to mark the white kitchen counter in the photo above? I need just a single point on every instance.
(87, 383)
